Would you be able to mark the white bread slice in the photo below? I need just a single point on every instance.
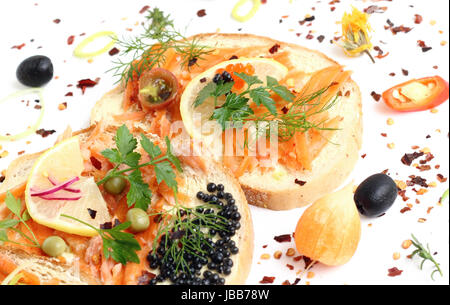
(271, 189)
(47, 269)
(194, 181)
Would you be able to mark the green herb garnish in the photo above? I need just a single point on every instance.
(236, 108)
(444, 197)
(140, 194)
(425, 253)
(184, 230)
(120, 246)
(15, 206)
(148, 50)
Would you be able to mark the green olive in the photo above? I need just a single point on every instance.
(139, 220)
(54, 246)
(115, 185)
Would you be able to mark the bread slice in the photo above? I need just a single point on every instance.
(277, 189)
(193, 180)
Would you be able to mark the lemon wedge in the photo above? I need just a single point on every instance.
(197, 119)
(62, 163)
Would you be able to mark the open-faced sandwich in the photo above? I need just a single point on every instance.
(284, 119)
(118, 205)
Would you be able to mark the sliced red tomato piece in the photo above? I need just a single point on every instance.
(417, 94)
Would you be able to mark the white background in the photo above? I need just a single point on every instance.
(22, 21)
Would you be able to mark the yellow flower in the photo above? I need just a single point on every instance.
(355, 33)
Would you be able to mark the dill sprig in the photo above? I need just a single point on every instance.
(425, 253)
(149, 49)
(296, 118)
(184, 230)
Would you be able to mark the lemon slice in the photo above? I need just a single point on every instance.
(196, 119)
(62, 163)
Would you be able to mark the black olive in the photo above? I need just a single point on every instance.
(375, 195)
(35, 71)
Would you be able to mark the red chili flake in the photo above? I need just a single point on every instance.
(364, 156)
(375, 9)
(298, 258)
(92, 213)
(375, 96)
(286, 283)
(265, 246)
(57, 20)
(2, 178)
(441, 178)
(96, 163)
(297, 280)
(402, 194)
(392, 74)
(400, 28)
(263, 1)
(69, 94)
(417, 180)
(201, 13)
(274, 49)
(394, 272)
(408, 159)
(286, 238)
(300, 182)
(267, 280)
(290, 267)
(45, 133)
(86, 83)
(424, 168)
(113, 51)
(405, 72)
(18, 47)
(384, 134)
(418, 19)
(38, 107)
(405, 209)
(320, 38)
(70, 40)
(309, 36)
(144, 9)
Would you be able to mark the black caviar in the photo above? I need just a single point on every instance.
(225, 77)
(217, 246)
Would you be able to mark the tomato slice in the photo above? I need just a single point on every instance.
(157, 88)
(417, 94)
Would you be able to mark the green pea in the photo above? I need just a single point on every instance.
(115, 185)
(54, 246)
(139, 220)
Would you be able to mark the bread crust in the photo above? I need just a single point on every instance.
(333, 165)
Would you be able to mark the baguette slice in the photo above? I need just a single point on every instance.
(194, 180)
(277, 189)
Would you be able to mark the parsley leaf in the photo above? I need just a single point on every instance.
(235, 109)
(171, 157)
(262, 97)
(213, 90)
(13, 204)
(120, 246)
(139, 194)
(280, 90)
(249, 79)
(164, 172)
(125, 141)
(8, 223)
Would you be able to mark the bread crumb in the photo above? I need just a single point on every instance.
(390, 121)
(265, 256)
(290, 252)
(310, 275)
(434, 110)
(396, 256)
(277, 254)
(391, 145)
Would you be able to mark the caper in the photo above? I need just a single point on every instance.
(139, 220)
(54, 246)
(115, 185)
